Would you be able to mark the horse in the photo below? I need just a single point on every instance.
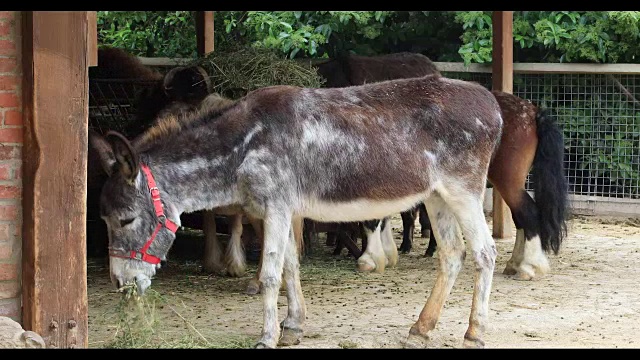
(340, 154)
(530, 140)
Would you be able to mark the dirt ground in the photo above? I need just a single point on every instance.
(589, 300)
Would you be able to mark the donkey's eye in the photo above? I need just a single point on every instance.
(126, 222)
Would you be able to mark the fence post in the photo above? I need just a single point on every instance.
(503, 81)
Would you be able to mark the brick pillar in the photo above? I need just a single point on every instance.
(10, 164)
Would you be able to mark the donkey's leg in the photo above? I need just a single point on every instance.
(277, 235)
(374, 257)
(212, 260)
(425, 224)
(451, 254)
(470, 215)
(388, 244)
(254, 284)
(292, 325)
(408, 226)
(235, 256)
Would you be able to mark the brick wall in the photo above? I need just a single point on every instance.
(10, 164)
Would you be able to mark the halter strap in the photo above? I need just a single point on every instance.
(163, 221)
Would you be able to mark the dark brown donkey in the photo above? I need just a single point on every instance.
(284, 153)
(530, 139)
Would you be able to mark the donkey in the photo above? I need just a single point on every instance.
(233, 262)
(530, 139)
(284, 152)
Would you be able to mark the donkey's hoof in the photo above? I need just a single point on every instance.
(213, 268)
(473, 343)
(253, 288)
(509, 270)
(416, 341)
(290, 337)
(234, 271)
(262, 345)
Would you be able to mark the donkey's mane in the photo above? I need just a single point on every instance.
(172, 124)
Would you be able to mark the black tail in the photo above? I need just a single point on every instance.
(550, 183)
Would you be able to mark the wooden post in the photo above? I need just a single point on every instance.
(92, 38)
(55, 92)
(502, 81)
(204, 32)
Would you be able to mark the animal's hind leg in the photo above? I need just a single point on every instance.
(374, 257)
(467, 207)
(254, 284)
(451, 253)
(528, 261)
(292, 325)
(425, 224)
(388, 244)
(408, 225)
(212, 260)
(235, 257)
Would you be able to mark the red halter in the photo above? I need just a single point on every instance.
(163, 221)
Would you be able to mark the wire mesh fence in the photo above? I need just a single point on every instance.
(600, 117)
(112, 102)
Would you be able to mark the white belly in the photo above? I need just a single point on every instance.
(359, 210)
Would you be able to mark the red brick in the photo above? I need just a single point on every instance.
(10, 192)
(5, 28)
(8, 212)
(8, 47)
(6, 233)
(7, 14)
(10, 308)
(9, 289)
(5, 171)
(9, 100)
(8, 272)
(11, 135)
(8, 152)
(17, 172)
(13, 117)
(8, 65)
(9, 82)
(6, 250)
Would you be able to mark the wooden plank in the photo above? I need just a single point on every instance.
(541, 68)
(92, 38)
(502, 80)
(204, 32)
(163, 61)
(55, 91)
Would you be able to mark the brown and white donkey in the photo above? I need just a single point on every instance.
(284, 153)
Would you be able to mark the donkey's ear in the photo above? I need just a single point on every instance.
(104, 151)
(126, 157)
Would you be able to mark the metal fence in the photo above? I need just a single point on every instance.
(599, 114)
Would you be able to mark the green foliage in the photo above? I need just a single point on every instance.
(557, 36)
(149, 33)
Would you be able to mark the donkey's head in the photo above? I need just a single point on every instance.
(140, 224)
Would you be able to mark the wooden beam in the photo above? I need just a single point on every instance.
(204, 32)
(55, 92)
(92, 38)
(503, 81)
(539, 68)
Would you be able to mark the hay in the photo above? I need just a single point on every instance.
(137, 325)
(238, 71)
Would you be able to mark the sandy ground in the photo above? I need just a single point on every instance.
(589, 300)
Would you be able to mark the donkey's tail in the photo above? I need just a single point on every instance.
(549, 183)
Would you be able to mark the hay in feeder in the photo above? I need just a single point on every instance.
(236, 72)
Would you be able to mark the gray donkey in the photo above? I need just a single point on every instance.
(345, 154)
